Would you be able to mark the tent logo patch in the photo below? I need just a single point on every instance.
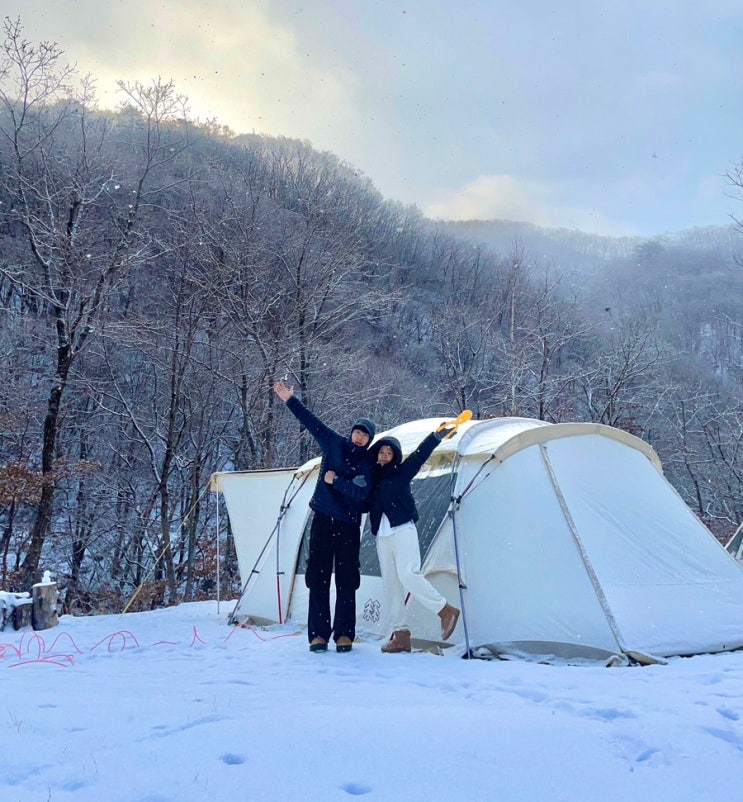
(371, 610)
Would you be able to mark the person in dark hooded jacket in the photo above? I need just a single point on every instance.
(340, 495)
(392, 515)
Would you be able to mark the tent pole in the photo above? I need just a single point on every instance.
(284, 507)
(462, 586)
(278, 565)
(218, 578)
(285, 504)
(453, 505)
(253, 572)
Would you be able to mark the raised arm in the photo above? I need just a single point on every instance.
(282, 391)
(322, 433)
(414, 462)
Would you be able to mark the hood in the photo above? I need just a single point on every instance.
(366, 426)
(393, 443)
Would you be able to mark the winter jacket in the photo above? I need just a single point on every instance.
(391, 493)
(349, 493)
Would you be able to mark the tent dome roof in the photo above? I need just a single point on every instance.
(505, 435)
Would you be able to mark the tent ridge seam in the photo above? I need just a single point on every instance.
(584, 555)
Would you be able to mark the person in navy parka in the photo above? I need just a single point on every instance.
(392, 515)
(340, 495)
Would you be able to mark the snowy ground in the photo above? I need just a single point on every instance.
(177, 706)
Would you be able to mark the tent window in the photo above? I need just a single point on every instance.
(431, 494)
(304, 546)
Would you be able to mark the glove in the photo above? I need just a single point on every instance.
(444, 432)
(448, 427)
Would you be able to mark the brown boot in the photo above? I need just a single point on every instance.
(449, 616)
(399, 642)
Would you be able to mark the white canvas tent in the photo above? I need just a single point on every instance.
(560, 540)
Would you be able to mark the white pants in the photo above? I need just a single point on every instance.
(400, 561)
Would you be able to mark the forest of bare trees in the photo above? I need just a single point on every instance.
(157, 274)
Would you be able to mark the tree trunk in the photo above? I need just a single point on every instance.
(45, 605)
(42, 524)
(191, 525)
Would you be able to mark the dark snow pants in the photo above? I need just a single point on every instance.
(333, 545)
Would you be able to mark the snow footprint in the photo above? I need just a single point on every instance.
(356, 789)
(725, 735)
(231, 759)
(725, 712)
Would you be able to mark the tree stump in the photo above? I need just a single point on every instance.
(44, 597)
(15, 608)
(22, 614)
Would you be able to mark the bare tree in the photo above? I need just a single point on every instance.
(290, 253)
(554, 332)
(78, 208)
(624, 376)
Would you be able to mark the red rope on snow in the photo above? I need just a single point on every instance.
(69, 637)
(122, 633)
(52, 661)
(4, 648)
(41, 654)
(196, 637)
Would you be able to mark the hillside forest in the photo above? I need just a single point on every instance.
(158, 273)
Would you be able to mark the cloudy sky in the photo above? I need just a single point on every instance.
(609, 116)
